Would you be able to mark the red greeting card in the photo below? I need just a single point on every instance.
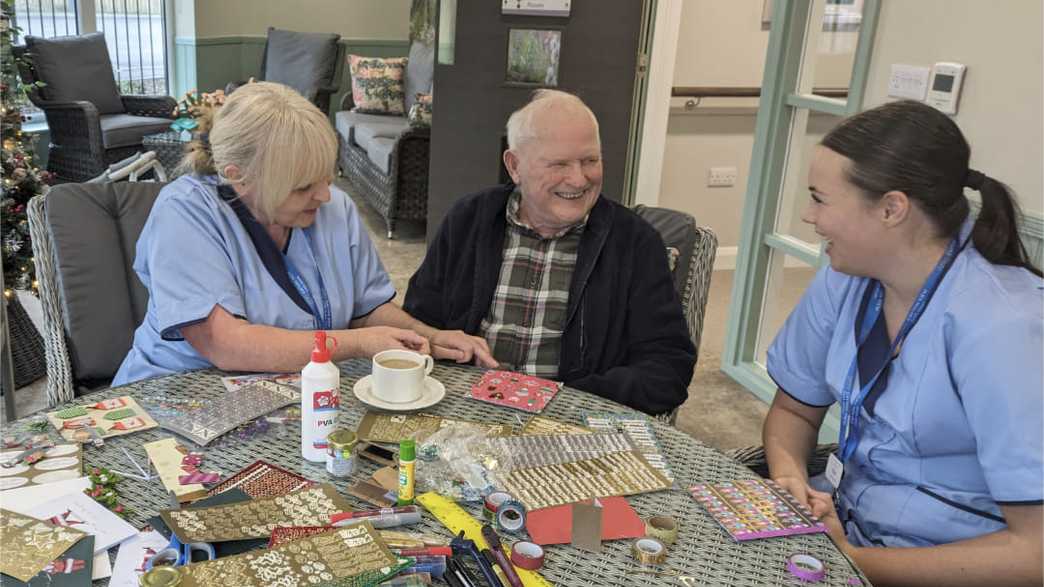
(515, 390)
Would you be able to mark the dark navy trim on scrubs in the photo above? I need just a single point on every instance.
(804, 403)
(961, 506)
(374, 309)
(266, 248)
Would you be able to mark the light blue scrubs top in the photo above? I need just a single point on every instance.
(957, 430)
(194, 253)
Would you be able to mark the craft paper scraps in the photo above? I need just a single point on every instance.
(30, 544)
(256, 518)
(552, 525)
(110, 418)
(166, 456)
(131, 558)
(80, 512)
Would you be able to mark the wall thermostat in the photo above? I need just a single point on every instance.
(944, 88)
(535, 7)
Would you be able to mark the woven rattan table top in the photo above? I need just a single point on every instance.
(703, 551)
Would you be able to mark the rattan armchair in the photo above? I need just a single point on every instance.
(85, 140)
(691, 251)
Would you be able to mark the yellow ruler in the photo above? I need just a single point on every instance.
(456, 519)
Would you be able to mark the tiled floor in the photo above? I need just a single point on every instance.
(718, 411)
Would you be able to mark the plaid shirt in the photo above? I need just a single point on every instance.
(526, 319)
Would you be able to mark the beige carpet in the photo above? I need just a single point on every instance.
(718, 411)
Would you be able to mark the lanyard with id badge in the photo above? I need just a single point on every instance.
(851, 406)
(322, 316)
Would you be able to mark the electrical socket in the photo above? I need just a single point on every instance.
(721, 176)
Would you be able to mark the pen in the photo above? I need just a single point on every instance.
(493, 540)
(334, 518)
(426, 551)
(379, 521)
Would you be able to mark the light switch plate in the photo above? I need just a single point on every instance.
(908, 81)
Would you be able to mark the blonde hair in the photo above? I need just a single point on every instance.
(279, 141)
(520, 123)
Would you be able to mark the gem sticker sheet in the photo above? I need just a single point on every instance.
(234, 382)
(326, 558)
(261, 480)
(256, 518)
(638, 429)
(543, 426)
(58, 463)
(375, 427)
(750, 509)
(29, 544)
(111, 417)
(515, 390)
(537, 451)
(233, 409)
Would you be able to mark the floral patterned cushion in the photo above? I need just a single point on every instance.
(420, 112)
(377, 86)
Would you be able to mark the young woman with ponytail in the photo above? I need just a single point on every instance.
(927, 328)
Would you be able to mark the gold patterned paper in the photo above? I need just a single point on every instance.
(28, 544)
(256, 518)
(376, 427)
(542, 425)
(320, 559)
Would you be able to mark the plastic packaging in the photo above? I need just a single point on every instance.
(320, 399)
(407, 461)
(460, 463)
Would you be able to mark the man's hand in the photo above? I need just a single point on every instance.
(461, 347)
(374, 339)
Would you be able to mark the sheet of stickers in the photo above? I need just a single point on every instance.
(353, 555)
(57, 463)
(234, 408)
(554, 470)
(392, 428)
(29, 544)
(749, 509)
(111, 417)
(262, 479)
(256, 518)
(515, 390)
(638, 429)
(542, 426)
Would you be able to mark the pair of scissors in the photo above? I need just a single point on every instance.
(178, 554)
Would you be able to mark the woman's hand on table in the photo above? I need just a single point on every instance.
(798, 487)
(456, 345)
(373, 339)
(822, 505)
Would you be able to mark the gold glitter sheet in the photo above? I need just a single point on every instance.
(320, 559)
(256, 518)
(28, 544)
(542, 425)
(376, 427)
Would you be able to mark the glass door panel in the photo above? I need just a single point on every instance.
(807, 130)
(786, 281)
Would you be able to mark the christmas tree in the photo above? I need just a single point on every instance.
(21, 179)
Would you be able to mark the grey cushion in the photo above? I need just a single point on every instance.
(379, 150)
(420, 70)
(345, 122)
(76, 68)
(303, 61)
(95, 228)
(679, 232)
(365, 133)
(125, 130)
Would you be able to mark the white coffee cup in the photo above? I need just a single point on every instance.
(398, 375)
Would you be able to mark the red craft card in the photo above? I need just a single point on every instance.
(515, 390)
(554, 525)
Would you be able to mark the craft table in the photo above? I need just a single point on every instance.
(703, 550)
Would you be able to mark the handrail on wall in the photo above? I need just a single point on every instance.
(742, 92)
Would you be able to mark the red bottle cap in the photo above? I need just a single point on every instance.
(321, 353)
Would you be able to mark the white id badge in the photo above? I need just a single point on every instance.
(835, 470)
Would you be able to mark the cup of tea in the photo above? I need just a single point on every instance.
(398, 375)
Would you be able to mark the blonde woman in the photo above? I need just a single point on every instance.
(253, 249)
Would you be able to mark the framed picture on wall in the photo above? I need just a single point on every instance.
(533, 56)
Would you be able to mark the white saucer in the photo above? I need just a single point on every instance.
(434, 391)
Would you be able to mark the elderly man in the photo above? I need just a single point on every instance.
(559, 281)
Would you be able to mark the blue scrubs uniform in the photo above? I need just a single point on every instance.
(195, 253)
(955, 428)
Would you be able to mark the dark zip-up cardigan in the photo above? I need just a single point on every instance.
(625, 337)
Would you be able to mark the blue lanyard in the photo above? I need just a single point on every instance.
(851, 407)
(323, 321)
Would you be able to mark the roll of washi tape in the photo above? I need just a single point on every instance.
(649, 550)
(511, 516)
(806, 567)
(527, 555)
(493, 503)
(662, 527)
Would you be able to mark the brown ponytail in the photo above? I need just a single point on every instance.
(913, 148)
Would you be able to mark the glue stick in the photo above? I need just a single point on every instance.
(407, 459)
